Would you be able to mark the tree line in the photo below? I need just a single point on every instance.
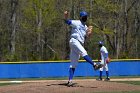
(35, 29)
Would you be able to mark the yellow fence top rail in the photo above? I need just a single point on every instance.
(20, 62)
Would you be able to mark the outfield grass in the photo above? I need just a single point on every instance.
(120, 92)
(130, 82)
(5, 84)
(65, 78)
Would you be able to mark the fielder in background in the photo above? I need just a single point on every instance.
(104, 59)
(78, 33)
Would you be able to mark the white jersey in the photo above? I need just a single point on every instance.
(104, 53)
(78, 30)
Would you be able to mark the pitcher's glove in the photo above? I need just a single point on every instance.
(108, 60)
(97, 66)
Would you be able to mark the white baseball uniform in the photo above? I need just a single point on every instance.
(104, 56)
(76, 42)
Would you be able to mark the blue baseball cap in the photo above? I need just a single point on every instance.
(100, 43)
(83, 13)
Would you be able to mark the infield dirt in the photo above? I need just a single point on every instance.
(58, 86)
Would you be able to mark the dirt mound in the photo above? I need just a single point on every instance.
(58, 86)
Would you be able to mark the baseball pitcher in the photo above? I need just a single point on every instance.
(78, 33)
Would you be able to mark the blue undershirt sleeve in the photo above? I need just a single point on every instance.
(69, 22)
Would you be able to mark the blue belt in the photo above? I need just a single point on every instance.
(79, 41)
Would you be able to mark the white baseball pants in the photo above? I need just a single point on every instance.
(77, 50)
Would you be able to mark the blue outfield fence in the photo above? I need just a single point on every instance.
(61, 69)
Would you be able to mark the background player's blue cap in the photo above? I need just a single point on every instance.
(83, 13)
(100, 43)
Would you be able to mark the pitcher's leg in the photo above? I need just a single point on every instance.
(74, 57)
(81, 50)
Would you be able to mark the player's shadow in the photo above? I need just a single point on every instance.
(74, 85)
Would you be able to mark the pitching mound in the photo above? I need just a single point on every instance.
(59, 86)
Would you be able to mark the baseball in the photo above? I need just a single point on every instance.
(90, 27)
(66, 12)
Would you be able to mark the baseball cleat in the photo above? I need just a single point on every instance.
(70, 84)
(99, 79)
(107, 79)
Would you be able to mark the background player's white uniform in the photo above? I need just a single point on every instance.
(76, 42)
(104, 56)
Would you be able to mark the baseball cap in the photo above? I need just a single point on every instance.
(100, 43)
(83, 13)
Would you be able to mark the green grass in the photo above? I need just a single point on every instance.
(120, 92)
(6, 84)
(65, 78)
(130, 82)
